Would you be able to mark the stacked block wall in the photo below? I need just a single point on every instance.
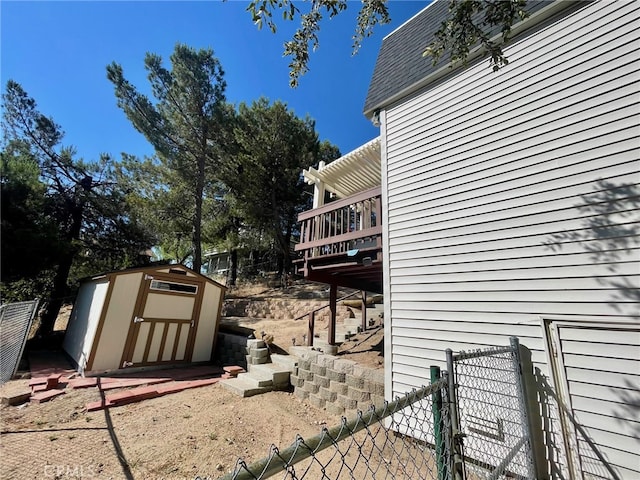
(281, 309)
(257, 352)
(340, 386)
(231, 350)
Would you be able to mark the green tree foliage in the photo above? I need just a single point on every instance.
(185, 125)
(160, 202)
(29, 233)
(61, 213)
(372, 13)
(266, 183)
(470, 23)
(111, 237)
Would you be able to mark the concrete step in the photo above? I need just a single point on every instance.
(279, 375)
(243, 388)
(288, 362)
(353, 323)
(257, 379)
(255, 343)
(322, 339)
(342, 334)
(372, 311)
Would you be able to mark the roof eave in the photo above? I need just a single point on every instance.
(478, 52)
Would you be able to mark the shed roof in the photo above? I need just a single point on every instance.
(400, 65)
(352, 173)
(152, 268)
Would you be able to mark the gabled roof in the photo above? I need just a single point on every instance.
(352, 173)
(400, 66)
(400, 62)
(172, 267)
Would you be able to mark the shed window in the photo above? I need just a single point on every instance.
(173, 287)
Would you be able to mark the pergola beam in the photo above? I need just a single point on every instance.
(356, 171)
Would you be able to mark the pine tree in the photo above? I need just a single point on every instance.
(185, 124)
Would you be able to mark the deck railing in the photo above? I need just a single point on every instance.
(338, 227)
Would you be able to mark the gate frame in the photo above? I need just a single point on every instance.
(457, 435)
(33, 305)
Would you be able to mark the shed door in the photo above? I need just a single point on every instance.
(166, 319)
(598, 375)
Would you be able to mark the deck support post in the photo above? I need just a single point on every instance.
(333, 297)
(312, 323)
(364, 310)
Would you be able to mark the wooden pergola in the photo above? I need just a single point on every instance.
(341, 240)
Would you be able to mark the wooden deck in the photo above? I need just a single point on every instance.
(341, 242)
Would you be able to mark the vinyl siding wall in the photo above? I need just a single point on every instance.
(513, 196)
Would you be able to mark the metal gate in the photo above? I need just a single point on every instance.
(470, 423)
(15, 323)
(489, 416)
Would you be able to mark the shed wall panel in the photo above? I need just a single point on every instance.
(143, 337)
(207, 323)
(83, 323)
(171, 338)
(117, 321)
(154, 348)
(160, 305)
(183, 335)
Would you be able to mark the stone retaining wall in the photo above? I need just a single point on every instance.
(231, 350)
(281, 309)
(340, 386)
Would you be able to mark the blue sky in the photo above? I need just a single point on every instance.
(58, 52)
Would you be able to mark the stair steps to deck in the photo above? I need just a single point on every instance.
(350, 326)
(287, 362)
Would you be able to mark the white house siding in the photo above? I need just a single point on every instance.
(512, 197)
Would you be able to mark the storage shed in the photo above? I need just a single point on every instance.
(157, 315)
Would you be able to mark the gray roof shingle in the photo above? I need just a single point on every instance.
(400, 63)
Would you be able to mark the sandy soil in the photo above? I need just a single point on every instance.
(196, 432)
(199, 432)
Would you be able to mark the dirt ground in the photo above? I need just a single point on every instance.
(198, 432)
(365, 348)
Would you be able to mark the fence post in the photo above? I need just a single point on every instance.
(455, 453)
(526, 424)
(436, 405)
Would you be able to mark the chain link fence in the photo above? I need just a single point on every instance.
(406, 438)
(490, 419)
(471, 422)
(15, 323)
